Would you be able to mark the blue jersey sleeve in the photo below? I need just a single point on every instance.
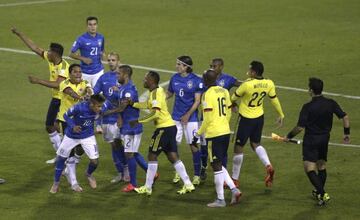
(107, 106)
(76, 45)
(199, 86)
(68, 116)
(170, 87)
(98, 86)
(232, 81)
(103, 45)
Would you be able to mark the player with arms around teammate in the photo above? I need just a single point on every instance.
(187, 88)
(58, 68)
(80, 130)
(108, 86)
(226, 81)
(73, 90)
(217, 113)
(251, 112)
(316, 118)
(91, 46)
(164, 137)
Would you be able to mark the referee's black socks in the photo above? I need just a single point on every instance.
(316, 182)
(322, 176)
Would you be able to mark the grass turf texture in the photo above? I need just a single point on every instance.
(294, 40)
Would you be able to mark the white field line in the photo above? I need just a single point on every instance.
(30, 3)
(169, 71)
(330, 143)
(145, 95)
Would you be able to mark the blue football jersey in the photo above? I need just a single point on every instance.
(90, 47)
(184, 89)
(129, 114)
(80, 114)
(105, 84)
(226, 81)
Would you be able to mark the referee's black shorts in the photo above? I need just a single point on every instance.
(53, 110)
(315, 147)
(249, 128)
(217, 147)
(164, 139)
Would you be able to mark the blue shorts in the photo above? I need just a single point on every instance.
(164, 139)
(53, 110)
(217, 147)
(249, 128)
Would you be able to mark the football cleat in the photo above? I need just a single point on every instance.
(217, 204)
(51, 161)
(117, 179)
(186, 189)
(2, 181)
(128, 188)
(203, 174)
(92, 181)
(269, 176)
(323, 199)
(143, 190)
(176, 178)
(196, 180)
(54, 188)
(235, 197)
(76, 188)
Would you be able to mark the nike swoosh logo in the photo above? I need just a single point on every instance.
(88, 44)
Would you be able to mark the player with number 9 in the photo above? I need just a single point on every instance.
(251, 112)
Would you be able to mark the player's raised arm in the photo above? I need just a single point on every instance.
(28, 42)
(46, 83)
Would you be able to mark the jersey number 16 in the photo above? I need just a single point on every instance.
(222, 106)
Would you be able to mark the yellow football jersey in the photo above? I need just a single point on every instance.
(216, 108)
(252, 93)
(157, 99)
(61, 69)
(66, 100)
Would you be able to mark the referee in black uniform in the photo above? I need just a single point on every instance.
(316, 118)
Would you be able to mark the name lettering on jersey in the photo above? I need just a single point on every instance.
(219, 90)
(189, 84)
(260, 85)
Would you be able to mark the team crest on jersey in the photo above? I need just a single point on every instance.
(222, 83)
(189, 84)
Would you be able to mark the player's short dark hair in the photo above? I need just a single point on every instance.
(316, 85)
(90, 18)
(126, 69)
(98, 98)
(188, 61)
(72, 66)
(257, 67)
(218, 60)
(57, 48)
(155, 76)
(210, 76)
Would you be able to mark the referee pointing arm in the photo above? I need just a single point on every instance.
(316, 118)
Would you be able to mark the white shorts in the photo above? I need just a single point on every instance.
(93, 78)
(110, 132)
(188, 130)
(131, 142)
(88, 144)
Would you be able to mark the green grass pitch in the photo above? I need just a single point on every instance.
(294, 39)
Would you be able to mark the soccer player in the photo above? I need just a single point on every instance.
(91, 45)
(2, 181)
(164, 137)
(131, 136)
(80, 130)
(251, 112)
(72, 90)
(187, 88)
(108, 86)
(217, 113)
(226, 81)
(316, 118)
(58, 68)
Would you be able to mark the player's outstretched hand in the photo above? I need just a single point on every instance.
(133, 123)
(185, 119)
(119, 122)
(280, 122)
(14, 30)
(33, 79)
(86, 60)
(346, 139)
(77, 129)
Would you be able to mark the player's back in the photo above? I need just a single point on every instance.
(226, 81)
(218, 100)
(105, 84)
(252, 93)
(157, 99)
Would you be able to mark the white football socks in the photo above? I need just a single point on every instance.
(71, 166)
(180, 169)
(237, 163)
(150, 173)
(55, 139)
(219, 184)
(261, 152)
(228, 179)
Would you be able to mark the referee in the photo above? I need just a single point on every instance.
(316, 117)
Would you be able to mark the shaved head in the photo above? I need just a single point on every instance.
(210, 77)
